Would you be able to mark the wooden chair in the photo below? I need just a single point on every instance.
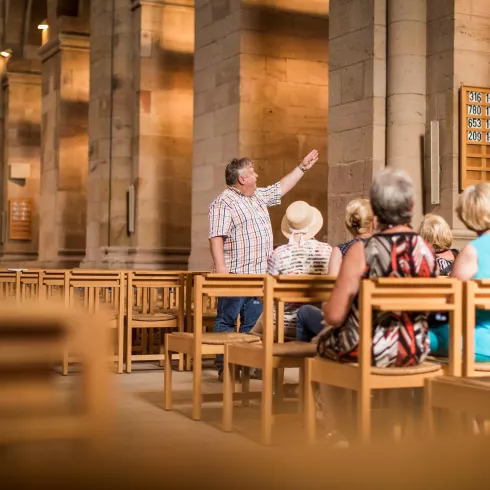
(386, 294)
(31, 342)
(477, 296)
(146, 312)
(10, 285)
(270, 355)
(30, 285)
(88, 290)
(197, 344)
(468, 396)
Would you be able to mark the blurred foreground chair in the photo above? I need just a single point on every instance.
(386, 294)
(33, 405)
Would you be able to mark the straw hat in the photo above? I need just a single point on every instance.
(301, 218)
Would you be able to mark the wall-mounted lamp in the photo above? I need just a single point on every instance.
(6, 53)
(42, 27)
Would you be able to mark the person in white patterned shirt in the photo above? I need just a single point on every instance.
(302, 255)
(241, 238)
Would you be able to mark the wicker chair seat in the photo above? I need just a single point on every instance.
(294, 348)
(156, 316)
(221, 338)
(482, 366)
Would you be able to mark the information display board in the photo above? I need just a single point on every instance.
(20, 222)
(475, 135)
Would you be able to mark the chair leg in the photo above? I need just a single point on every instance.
(228, 386)
(167, 377)
(188, 360)
(364, 414)
(245, 386)
(309, 403)
(197, 386)
(120, 350)
(266, 429)
(181, 362)
(129, 349)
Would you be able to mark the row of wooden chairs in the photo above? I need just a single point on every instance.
(131, 300)
(272, 353)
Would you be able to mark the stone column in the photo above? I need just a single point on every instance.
(21, 139)
(357, 105)
(458, 51)
(162, 132)
(261, 90)
(110, 131)
(406, 91)
(65, 94)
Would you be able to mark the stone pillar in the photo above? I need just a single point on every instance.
(21, 139)
(406, 91)
(162, 150)
(65, 94)
(261, 90)
(110, 131)
(458, 51)
(357, 105)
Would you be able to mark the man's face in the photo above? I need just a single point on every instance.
(249, 177)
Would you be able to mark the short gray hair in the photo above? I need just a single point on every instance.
(392, 197)
(234, 169)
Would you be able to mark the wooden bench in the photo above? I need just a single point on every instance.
(385, 294)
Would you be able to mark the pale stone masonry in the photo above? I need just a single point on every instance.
(357, 105)
(261, 90)
(21, 128)
(159, 95)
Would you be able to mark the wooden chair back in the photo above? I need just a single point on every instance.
(30, 285)
(305, 288)
(31, 342)
(477, 296)
(411, 295)
(10, 285)
(223, 285)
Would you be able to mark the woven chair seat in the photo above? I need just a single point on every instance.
(294, 348)
(221, 338)
(423, 368)
(157, 316)
(439, 360)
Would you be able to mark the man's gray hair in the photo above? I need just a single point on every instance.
(234, 169)
(392, 197)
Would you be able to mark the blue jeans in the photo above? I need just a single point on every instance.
(309, 323)
(249, 310)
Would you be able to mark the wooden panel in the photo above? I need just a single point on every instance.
(20, 223)
(474, 136)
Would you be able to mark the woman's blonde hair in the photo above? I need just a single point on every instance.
(359, 217)
(473, 207)
(435, 230)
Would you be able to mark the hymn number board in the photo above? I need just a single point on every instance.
(20, 219)
(475, 135)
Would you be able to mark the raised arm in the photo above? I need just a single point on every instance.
(292, 178)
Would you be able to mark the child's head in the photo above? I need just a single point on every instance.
(435, 230)
(473, 207)
(359, 218)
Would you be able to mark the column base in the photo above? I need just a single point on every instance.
(461, 237)
(65, 259)
(140, 258)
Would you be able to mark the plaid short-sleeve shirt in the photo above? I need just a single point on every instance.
(245, 224)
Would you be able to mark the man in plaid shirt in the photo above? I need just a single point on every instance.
(241, 238)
